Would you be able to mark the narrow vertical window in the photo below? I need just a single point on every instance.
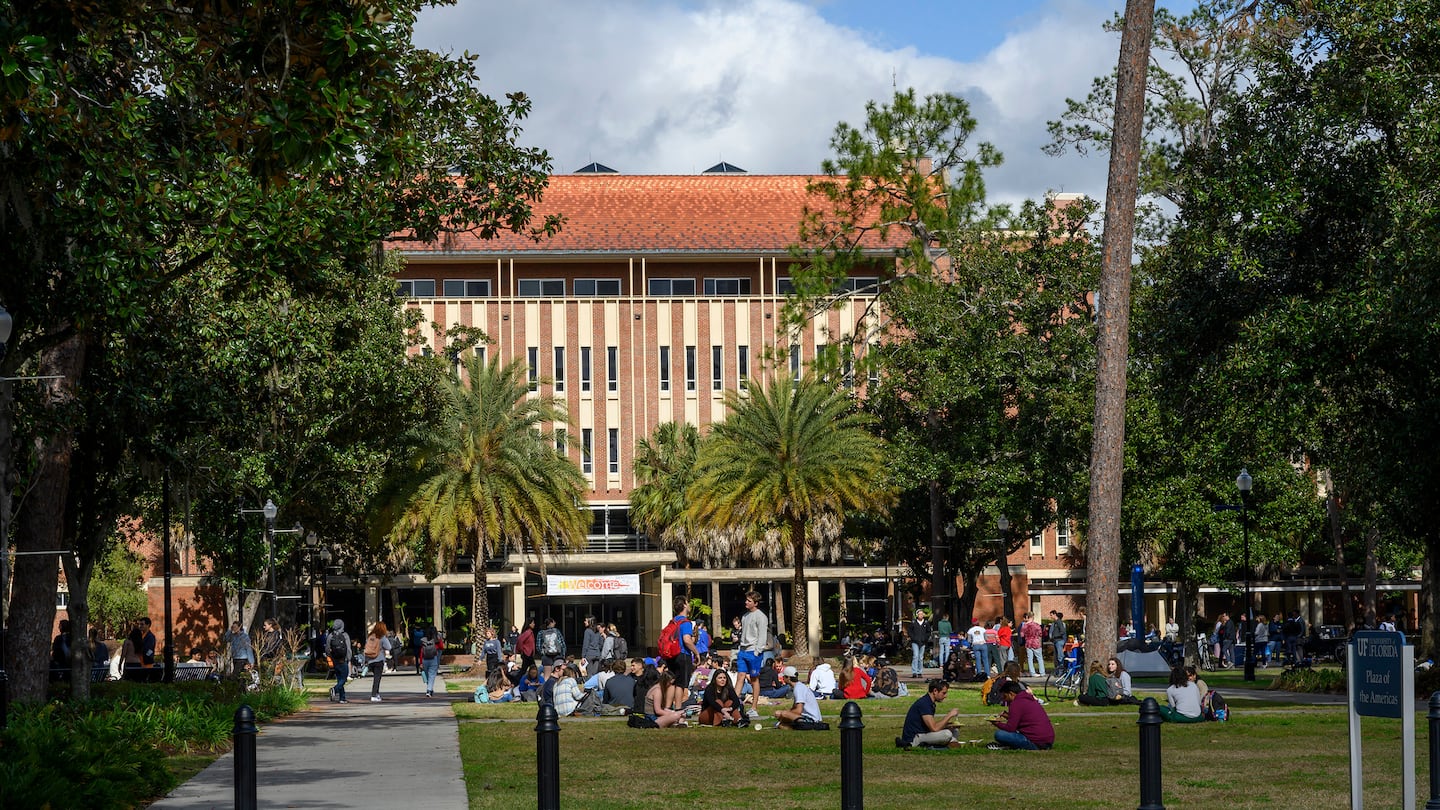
(559, 368)
(560, 446)
(612, 368)
(614, 451)
(690, 372)
(717, 368)
(795, 362)
(587, 445)
(532, 358)
(664, 368)
(742, 366)
(584, 368)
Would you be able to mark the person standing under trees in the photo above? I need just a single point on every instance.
(377, 649)
(1058, 637)
(551, 644)
(1033, 634)
(592, 645)
(525, 645)
(681, 664)
(337, 646)
(942, 633)
(919, 632)
(754, 632)
(432, 644)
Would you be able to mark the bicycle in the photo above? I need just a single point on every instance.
(1065, 685)
(1207, 662)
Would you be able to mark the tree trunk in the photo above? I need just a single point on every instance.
(1007, 601)
(1107, 454)
(1185, 606)
(40, 528)
(1429, 605)
(938, 591)
(1372, 574)
(1337, 537)
(967, 599)
(800, 600)
(479, 600)
(78, 608)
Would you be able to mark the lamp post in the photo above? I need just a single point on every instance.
(7, 324)
(1002, 559)
(950, 532)
(1244, 482)
(270, 510)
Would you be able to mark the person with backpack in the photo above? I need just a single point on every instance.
(337, 646)
(377, 649)
(550, 643)
(677, 643)
(432, 644)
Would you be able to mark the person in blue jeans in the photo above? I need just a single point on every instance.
(919, 632)
(337, 644)
(429, 649)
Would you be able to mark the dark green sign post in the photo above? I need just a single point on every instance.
(1381, 680)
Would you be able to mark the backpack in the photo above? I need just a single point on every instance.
(429, 649)
(1214, 707)
(372, 648)
(669, 644)
(550, 642)
(621, 649)
(338, 646)
(990, 691)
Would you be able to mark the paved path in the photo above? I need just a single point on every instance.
(361, 754)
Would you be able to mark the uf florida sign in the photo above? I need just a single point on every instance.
(1381, 680)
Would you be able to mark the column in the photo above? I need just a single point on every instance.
(516, 598)
(812, 619)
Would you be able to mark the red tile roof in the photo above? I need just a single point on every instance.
(695, 214)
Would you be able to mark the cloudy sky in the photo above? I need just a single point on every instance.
(675, 86)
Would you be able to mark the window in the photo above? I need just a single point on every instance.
(587, 439)
(416, 287)
(597, 286)
(727, 286)
(559, 368)
(861, 284)
(672, 286)
(717, 368)
(560, 445)
(873, 356)
(614, 435)
(742, 366)
(784, 285)
(1062, 536)
(795, 361)
(664, 368)
(584, 368)
(612, 368)
(822, 359)
(480, 353)
(1037, 543)
(466, 288)
(532, 359)
(540, 287)
(689, 368)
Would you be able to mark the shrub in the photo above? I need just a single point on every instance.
(1311, 680)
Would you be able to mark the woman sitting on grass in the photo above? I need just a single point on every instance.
(853, 683)
(663, 702)
(1182, 699)
(719, 705)
(1097, 688)
(1119, 681)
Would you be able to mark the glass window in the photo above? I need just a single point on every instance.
(664, 368)
(532, 360)
(466, 288)
(727, 286)
(597, 286)
(614, 435)
(416, 287)
(672, 286)
(560, 446)
(584, 368)
(1037, 543)
(742, 366)
(612, 368)
(717, 368)
(690, 372)
(1062, 535)
(587, 440)
(559, 368)
(784, 285)
(540, 287)
(795, 361)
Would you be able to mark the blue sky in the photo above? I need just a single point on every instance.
(674, 86)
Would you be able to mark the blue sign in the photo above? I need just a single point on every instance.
(1377, 684)
(1137, 601)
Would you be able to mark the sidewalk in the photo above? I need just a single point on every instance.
(388, 754)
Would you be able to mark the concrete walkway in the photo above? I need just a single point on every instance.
(360, 754)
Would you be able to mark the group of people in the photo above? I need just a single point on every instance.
(374, 655)
(1279, 634)
(1022, 724)
(989, 645)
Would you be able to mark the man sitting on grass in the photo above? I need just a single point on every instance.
(1024, 723)
(806, 710)
(922, 728)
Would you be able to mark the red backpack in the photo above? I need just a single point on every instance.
(669, 644)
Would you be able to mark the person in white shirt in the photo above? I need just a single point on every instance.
(976, 637)
(806, 709)
(822, 681)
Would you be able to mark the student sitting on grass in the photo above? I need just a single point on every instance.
(1024, 724)
(922, 727)
(1097, 688)
(1182, 699)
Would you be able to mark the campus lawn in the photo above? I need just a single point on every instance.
(1270, 755)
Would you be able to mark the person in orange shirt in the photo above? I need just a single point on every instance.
(1004, 634)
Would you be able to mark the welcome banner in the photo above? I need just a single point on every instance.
(608, 584)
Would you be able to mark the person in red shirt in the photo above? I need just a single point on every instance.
(1024, 724)
(854, 684)
(1004, 633)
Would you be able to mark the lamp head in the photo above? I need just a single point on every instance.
(1244, 482)
(270, 509)
(311, 540)
(950, 530)
(324, 556)
(1003, 523)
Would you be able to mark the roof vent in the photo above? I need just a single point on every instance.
(595, 168)
(724, 168)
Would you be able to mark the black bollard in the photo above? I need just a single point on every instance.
(1434, 802)
(1149, 722)
(245, 759)
(852, 765)
(547, 758)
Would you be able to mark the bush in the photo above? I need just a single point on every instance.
(109, 752)
(1331, 681)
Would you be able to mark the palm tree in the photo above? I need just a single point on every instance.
(489, 476)
(788, 459)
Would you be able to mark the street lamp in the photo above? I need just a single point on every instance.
(1244, 483)
(7, 324)
(270, 510)
(1002, 559)
(950, 532)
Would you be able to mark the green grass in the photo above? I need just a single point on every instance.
(1271, 755)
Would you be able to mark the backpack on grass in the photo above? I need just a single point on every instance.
(1214, 707)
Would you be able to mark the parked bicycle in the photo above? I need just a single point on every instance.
(1067, 683)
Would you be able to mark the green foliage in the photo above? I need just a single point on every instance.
(109, 752)
(116, 597)
(1319, 680)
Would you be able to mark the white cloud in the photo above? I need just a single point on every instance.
(668, 86)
